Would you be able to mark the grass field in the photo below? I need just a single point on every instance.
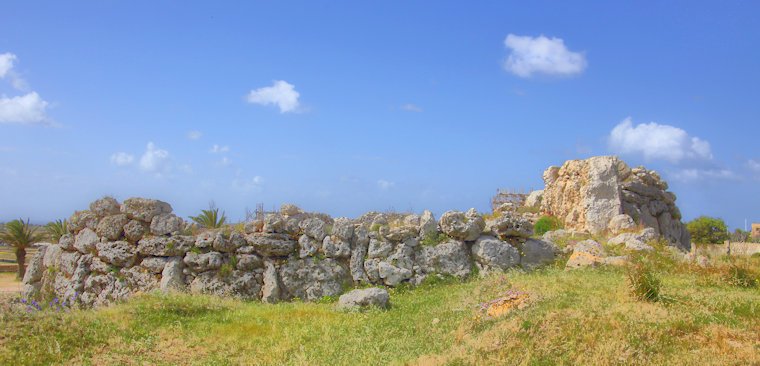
(576, 317)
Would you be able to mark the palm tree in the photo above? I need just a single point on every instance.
(210, 219)
(20, 235)
(56, 229)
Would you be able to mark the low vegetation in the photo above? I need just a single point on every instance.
(546, 224)
(210, 219)
(589, 316)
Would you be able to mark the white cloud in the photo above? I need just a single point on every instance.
(225, 161)
(541, 55)
(754, 165)
(385, 185)
(657, 142)
(6, 63)
(25, 109)
(194, 135)
(693, 174)
(154, 160)
(122, 159)
(253, 184)
(216, 149)
(281, 93)
(409, 107)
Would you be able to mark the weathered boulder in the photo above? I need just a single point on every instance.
(112, 227)
(508, 225)
(154, 264)
(362, 298)
(66, 242)
(229, 245)
(534, 198)
(334, 247)
(271, 245)
(270, 291)
(586, 253)
(161, 246)
(249, 262)
(288, 209)
(134, 230)
(620, 223)
(106, 206)
(144, 209)
(118, 253)
(204, 261)
(166, 223)
(85, 241)
(537, 253)
(428, 225)
(315, 228)
(308, 246)
(356, 263)
(493, 254)
(52, 256)
(391, 274)
(462, 226)
(311, 280)
(172, 278)
(244, 285)
(35, 267)
(343, 229)
(379, 248)
(80, 220)
(449, 258)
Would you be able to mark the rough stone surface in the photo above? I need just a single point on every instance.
(118, 253)
(315, 228)
(204, 262)
(288, 209)
(534, 198)
(272, 245)
(449, 258)
(172, 278)
(537, 253)
(270, 292)
(134, 230)
(510, 226)
(587, 194)
(428, 225)
(462, 226)
(154, 264)
(112, 227)
(334, 247)
(391, 274)
(493, 254)
(105, 206)
(311, 280)
(165, 246)
(620, 223)
(166, 223)
(85, 241)
(35, 268)
(144, 209)
(80, 220)
(362, 298)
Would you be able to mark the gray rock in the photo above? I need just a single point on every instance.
(534, 198)
(235, 241)
(99, 266)
(362, 298)
(536, 253)
(334, 247)
(112, 227)
(492, 253)
(271, 245)
(308, 246)
(371, 270)
(270, 292)
(401, 233)
(172, 278)
(52, 256)
(461, 226)
(311, 280)
(511, 226)
(35, 267)
(161, 246)
(66, 242)
(165, 224)
(140, 280)
(85, 241)
(80, 220)
(274, 224)
(343, 229)
(315, 228)
(379, 248)
(144, 209)
(637, 246)
(449, 258)
(105, 206)
(206, 239)
(356, 263)
(620, 223)
(204, 262)
(244, 285)
(288, 209)
(249, 262)
(391, 274)
(118, 253)
(428, 225)
(154, 264)
(134, 230)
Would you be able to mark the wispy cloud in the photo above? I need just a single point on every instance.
(281, 93)
(194, 135)
(122, 159)
(409, 107)
(542, 55)
(385, 185)
(217, 149)
(154, 160)
(695, 174)
(254, 184)
(656, 141)
(27, 109)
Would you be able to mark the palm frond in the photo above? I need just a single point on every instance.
(56, 229)
(19, 234)
(210, 219)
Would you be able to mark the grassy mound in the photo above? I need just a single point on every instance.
(572, 317)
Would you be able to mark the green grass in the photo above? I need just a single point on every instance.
(573, 317)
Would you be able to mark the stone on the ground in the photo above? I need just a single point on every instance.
(363, 298)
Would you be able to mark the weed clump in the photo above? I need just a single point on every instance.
(643, 282)
(546, 224)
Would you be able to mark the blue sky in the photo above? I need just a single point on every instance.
(346, 107)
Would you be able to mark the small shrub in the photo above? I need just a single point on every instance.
(375, 227)
(225, 270)
(643, 282)
(56, 230)
(434, 239)
(547, 223)
(740, 276)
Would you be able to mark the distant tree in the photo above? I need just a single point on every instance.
(210, 219)
(739, 235)
(56, 229)
(707, 230)
(20, 235)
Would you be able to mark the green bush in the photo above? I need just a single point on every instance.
(643, 282)
(707, 230)
(547, 223)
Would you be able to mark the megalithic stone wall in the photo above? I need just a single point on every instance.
(590, 195)
(115, 250)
